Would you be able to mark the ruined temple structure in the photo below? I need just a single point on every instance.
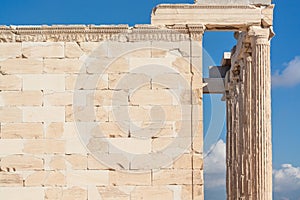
(115, 112)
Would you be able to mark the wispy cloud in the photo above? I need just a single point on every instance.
(215, 171)
(290, 76)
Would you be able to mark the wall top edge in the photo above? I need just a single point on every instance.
(208, 6)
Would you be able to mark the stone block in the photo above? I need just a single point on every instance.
(44, 147)
(110, 130)
(198, 177)
(57, 163)
(87, 178)
(53, 193)
(10, 114)
(120, 49)
(112, 193)
(68, 66)
(118, 178)
(183, 162)
(10, 82)
(94, 164)
(10, 180)
(58, 98)
(186, 192)
(44, 114)
(128, 81)
(45, 178)
(129, 145)
(198, 161)
(108, 98)
(172, 177)
(9, 147)
(73, 50)
(182, 65)
(46, 82)
(22, 66)
(234, 2)
(22, 130)
(94, 49)
(77, 161)
(86, 114)
(87, 82)
(28, 193)
(75, 193)
(152, 97)
(43, 49)
(150, 193)
(21, 98)
(107, 65)
(10, 50)
(54, 130)
(22, 162)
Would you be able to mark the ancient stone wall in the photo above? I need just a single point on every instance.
(101, 112)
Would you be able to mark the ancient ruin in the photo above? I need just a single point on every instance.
(115, 112)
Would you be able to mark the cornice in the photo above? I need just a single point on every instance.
(93, 33)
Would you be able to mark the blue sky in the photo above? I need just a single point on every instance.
(285, 66)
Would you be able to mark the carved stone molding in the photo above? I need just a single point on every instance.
(92, 33)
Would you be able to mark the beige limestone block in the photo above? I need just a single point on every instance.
(58, 98)
(198, 177)
(110, 130)
(87, 82)
(158, 53)
(45, 178)
(117, 49)
(22, 162)
(73, 50)
(46, 82)
(9, 146)
(164, 64)
(75, 193)
(198, 192)
(107, 65)
(46, 146)
(44, 114)
(186, 192)
(22, 98)
(126, 81)
(94, 164)
(43, 49)
(182, 65)
(150, 193)
(53, 193)
(22, 130)
(54, 130)
(10, 82)
(198, 144)
(10, 50)
(94, 49)
(183, 162)
(10, 179)
(109, 98)
(57, 163)
(75, 145)
(68, 66)
(112, 193)
(198, 161)
(28, 193)
(87, 178)
(159, 144)
(171, 177)
(152, 97)
(77, 161)
(130, 145)
(86, 114)
(21, 66)
(10, 114)
(118, 178)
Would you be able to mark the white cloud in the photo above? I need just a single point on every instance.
(215, 166)
(290, 76)
(287, 182)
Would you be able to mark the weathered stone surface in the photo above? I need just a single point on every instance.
(25, 98)
(22, 66)
(22, 130)
(10, 147)
(75, 193)
(10, 50)
(10, 82)
(10, 179)
(171, 177)
(123, 178)
(10, 114)
(57, 163)
(43, 49)
(77, 161)
(46, 82)
(54, 130)
(44, 114)
(86, 178)
(150, 193)
(45, 178)
(44, 146)
(22, 162)
(73, 50)
(27, 193)
(58, 66)
(112, 193)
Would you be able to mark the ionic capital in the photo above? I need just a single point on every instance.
(261, 35)
(196, 31)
